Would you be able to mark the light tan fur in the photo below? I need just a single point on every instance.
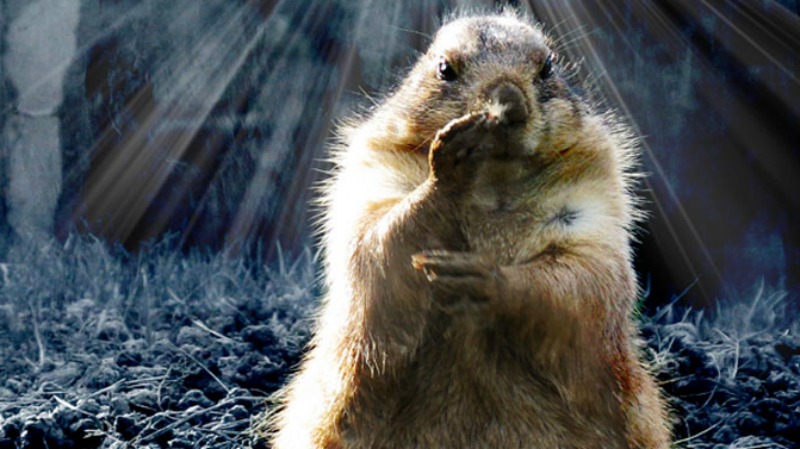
(477, 299)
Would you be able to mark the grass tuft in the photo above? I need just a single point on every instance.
(158, 348)
(724, 371)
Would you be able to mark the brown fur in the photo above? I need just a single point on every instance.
(479, 293)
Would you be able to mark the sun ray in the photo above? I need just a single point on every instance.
(588, 49)
(138, 169)
(786, 72)
(246, 219)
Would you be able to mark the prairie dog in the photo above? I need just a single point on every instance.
(477, 265)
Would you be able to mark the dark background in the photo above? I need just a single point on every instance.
(208, 121)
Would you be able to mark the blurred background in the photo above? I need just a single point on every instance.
(207, 121)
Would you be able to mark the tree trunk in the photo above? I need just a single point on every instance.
(40, 43)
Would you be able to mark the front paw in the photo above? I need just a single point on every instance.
(459, 277)
(459, 147)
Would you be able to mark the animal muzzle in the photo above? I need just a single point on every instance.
(506, 103)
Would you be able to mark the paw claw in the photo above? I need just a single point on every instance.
(463, 140)
(458, 274)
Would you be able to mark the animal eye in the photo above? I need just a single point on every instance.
(445, 71)
(547, 67)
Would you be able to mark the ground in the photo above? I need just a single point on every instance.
(102, 349)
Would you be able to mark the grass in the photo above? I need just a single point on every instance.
(728, 351)
(163, 348)
(82, 325)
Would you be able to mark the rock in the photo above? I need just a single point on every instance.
(18, 386)
(748, 423)
(787, 347)
(64, 416)
(770, 410)
(112, 330)
(259, 372)
(128, 426)
(780, 381)
(135, 345)
(12, 428)
(239, 412)
(63, 375)
(84, 433)
(102, 376)
(119, 406)
(143, 400)
(725, 434)
(89, 405)
(788, 428)
(260, 336)
(129, 358)
(43, 433)
(194, 397)
(191, 335)
(164, 436)
(5, 393)
(694, 385)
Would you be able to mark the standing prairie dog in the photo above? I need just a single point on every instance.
(477, 264)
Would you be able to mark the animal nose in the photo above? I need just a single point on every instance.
(510, 102)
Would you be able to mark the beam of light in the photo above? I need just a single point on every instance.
(130, 177)
(774, 167)
(207, 87)
(127, 156)
(377, 40)
(782, 20)
(662, 176)
(273, 156)
(138, 169)
(285, 116)
(365, 31)
(251, 119)
(136, 102)
(610, 87)
(126, 178)
(417, 34)
(751, 130)
(569, 38)
(741, 51)
(657, 165)
(786, 72)
(314, 141)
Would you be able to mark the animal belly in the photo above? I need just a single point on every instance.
(453, 399)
